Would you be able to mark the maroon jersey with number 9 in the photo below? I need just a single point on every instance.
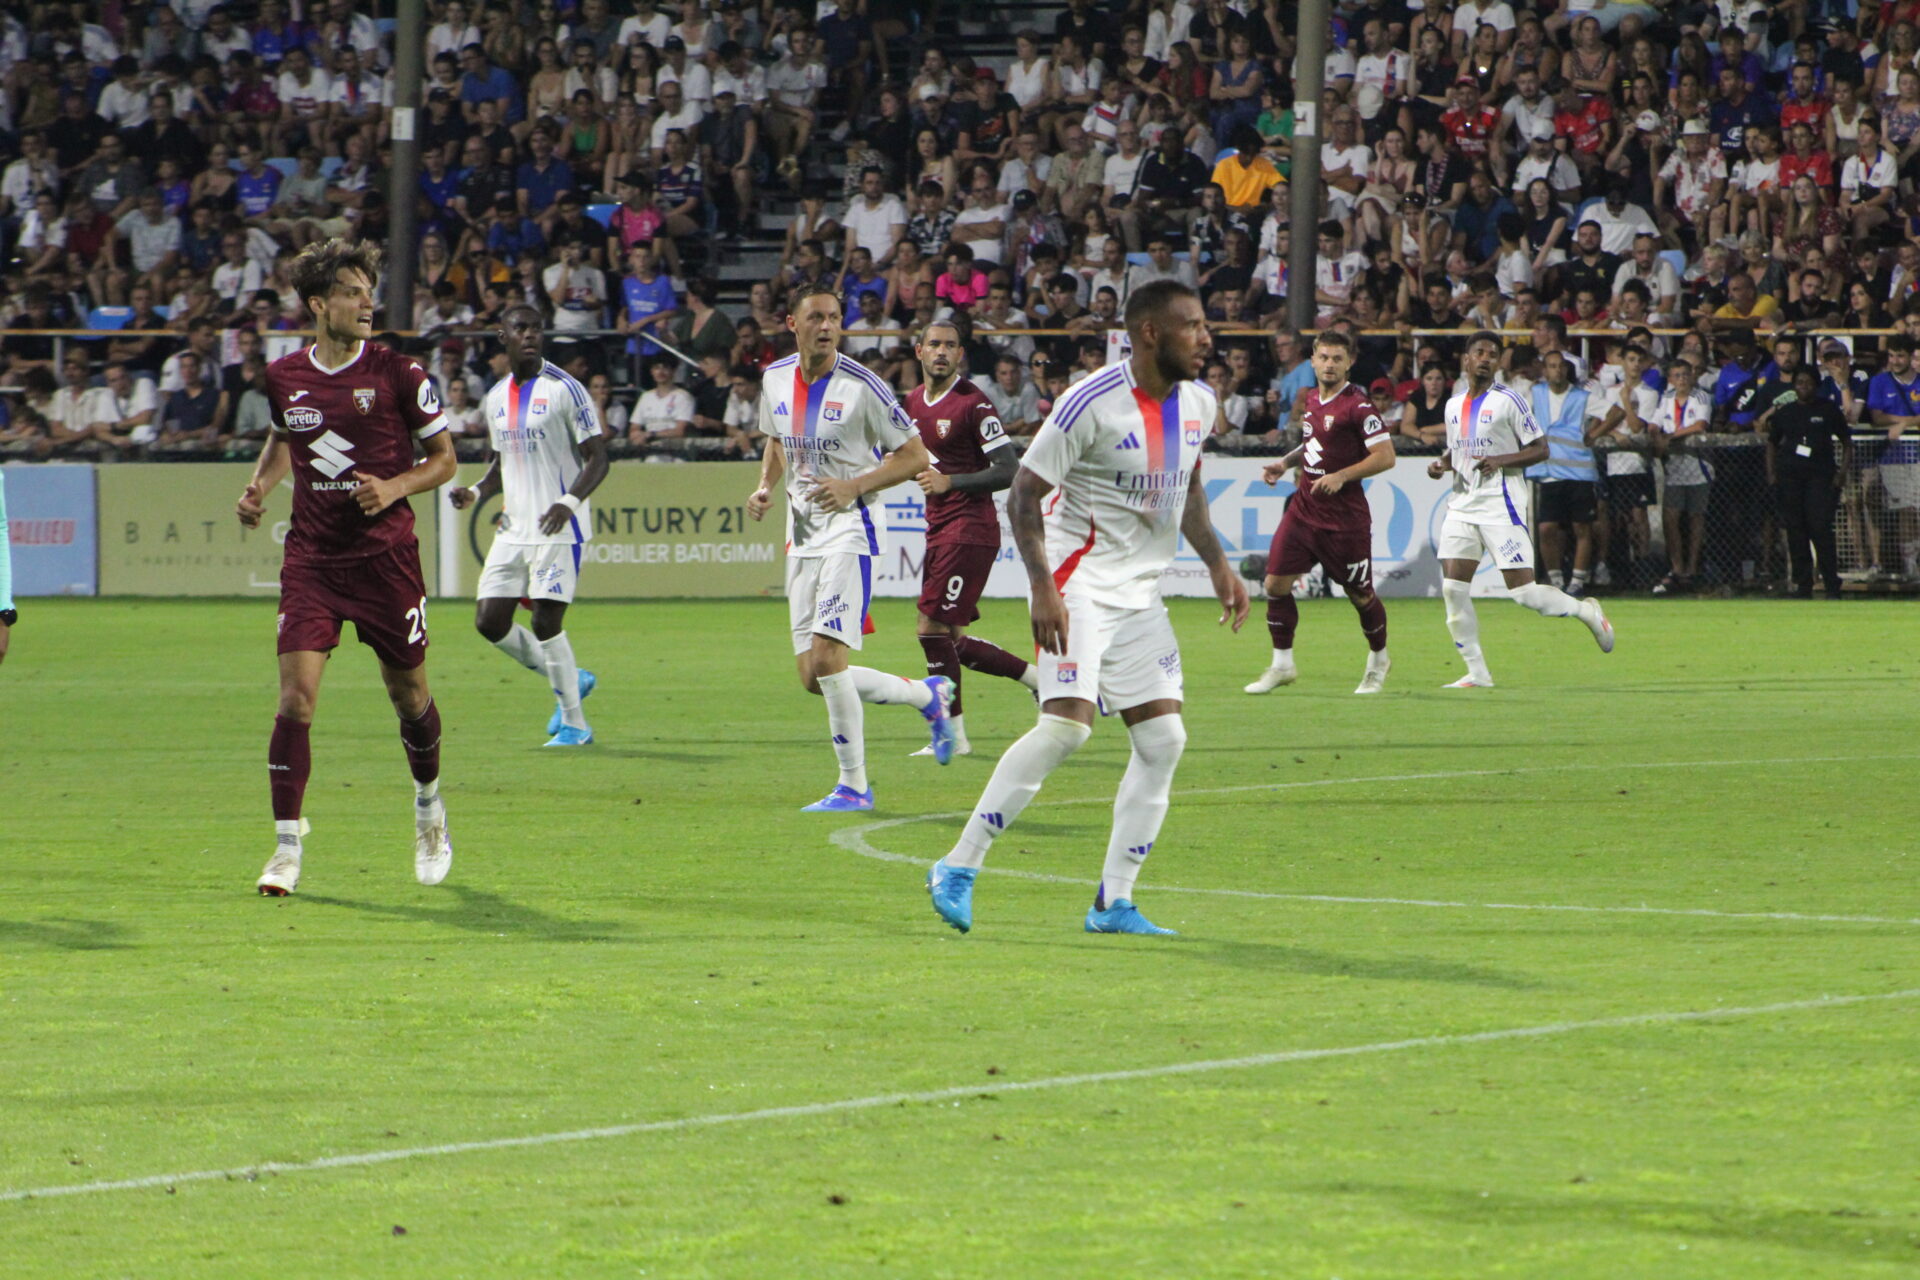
(960, 429)
(365, 417)
(1335, 434)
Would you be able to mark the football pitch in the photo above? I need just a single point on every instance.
(1607, 972)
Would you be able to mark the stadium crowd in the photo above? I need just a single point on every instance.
(1691, 198)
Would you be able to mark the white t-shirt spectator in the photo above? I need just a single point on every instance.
(1617, 231)
(664, 410)
(1514, 271)
(1029, 87)
(1474, 14)
(696, 85)
(1340, 65)
(102, 405)
(445, 38)
(1558, 169)
(306, 99)
(604, 84)
(1662, 281)
(356, 98)
(1671, 417)
(686, 119)
(653, 30)
(36, 235)
(121, 107)
(796, 84)
(857, 341)
(470, 421)
(149, 241)
(1124, 174)
(1880, 174)
(873, 228)
(1014, 175)
(578, 306)
(749, 88)
(1336, 277)
(1379, 70)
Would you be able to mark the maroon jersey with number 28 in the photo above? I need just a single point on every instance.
(1336, 434)
(959, 429)
(364, 416)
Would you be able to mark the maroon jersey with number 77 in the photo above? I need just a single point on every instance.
(960, 429)
(1335, 434)
(362, 417)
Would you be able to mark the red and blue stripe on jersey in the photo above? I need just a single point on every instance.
(1160, 429)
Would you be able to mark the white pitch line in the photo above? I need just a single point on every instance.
(954, 1093)
(854, 840)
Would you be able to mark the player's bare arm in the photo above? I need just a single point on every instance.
(1001, 464)
(275, 462)
(1535, 452)
(904, 463)
(1048, 610)
(1276, 470)
(1196, 526)
(1440, 466)
(1379, 458)
(593, 469)
(488, 485)
(375, 494)
(773, 464)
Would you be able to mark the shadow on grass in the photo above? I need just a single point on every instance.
(478, 911)
(671, 757)
(1839, 1230)
(1279, 957)
(62, 934)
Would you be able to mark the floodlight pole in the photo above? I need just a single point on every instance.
(402, 251)
(1309, 79)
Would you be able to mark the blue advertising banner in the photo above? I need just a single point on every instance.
(52, 525)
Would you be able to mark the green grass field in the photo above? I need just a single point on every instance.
(647, 931)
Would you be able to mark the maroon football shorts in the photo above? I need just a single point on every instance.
(383, 596)
(955, 576)
(1346, 553)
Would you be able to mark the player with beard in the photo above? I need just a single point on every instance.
(1328, 521)
(972, 460)
(1099, 504)
(347, 417)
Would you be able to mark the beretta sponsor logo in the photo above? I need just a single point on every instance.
(302, 418)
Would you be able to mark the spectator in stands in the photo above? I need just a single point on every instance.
(665, 412)
(193, 417)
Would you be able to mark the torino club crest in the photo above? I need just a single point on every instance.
(363, 399)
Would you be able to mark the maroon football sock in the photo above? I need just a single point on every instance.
(1283, 615)
(288, 764)
(943, 660)
(421, 737)
(1373, 622)
(990, 659)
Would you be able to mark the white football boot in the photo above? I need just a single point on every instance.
(1375, 679)
(282, 874)
(1596, 619)
(1276, 674)
(432, 850)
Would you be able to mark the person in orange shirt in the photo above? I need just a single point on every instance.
(1246, 174)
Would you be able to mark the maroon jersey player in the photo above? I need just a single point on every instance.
(972, 459)
(349, 419)
(1342, 442)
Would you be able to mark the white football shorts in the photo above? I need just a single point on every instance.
(1510, 545)
(1127, 656)
(530, 570)
(828, 596)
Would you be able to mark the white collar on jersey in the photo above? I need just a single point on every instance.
(359, 349)
(1323, 401)
(931, 401)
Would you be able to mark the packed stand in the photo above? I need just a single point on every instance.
(1618, 187)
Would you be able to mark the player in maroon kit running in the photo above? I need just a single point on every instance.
(972, 460)
(348, 418)
(1343, 441)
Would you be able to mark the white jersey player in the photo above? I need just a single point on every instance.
(549, 454)
(1491, 439)
(840, 436)
(1101, 500)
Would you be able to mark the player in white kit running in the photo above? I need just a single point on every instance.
(1491, 439)
(548, 455)
(1098, 507)
(840, 435)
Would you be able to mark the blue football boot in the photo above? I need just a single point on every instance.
(951, 889)
(937, 720)
(571, 737)
(555, 720)
(842, 800)
(1121, 916)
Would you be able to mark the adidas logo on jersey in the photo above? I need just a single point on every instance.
(1131, 441)
(780, 410)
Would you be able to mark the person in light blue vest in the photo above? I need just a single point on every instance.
(1566, 478)
(7, 613)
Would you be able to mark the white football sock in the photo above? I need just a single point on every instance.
(879, 687)
(1548, 602)
(1016, 781)
(287, 832)
(1555, 578)
(1031, 678)
(959, 729)
(1140, 805)
(563, 673)
(1282, 658)
(846, 721)
(520, 645)
(1463, 623)
(426, 793)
